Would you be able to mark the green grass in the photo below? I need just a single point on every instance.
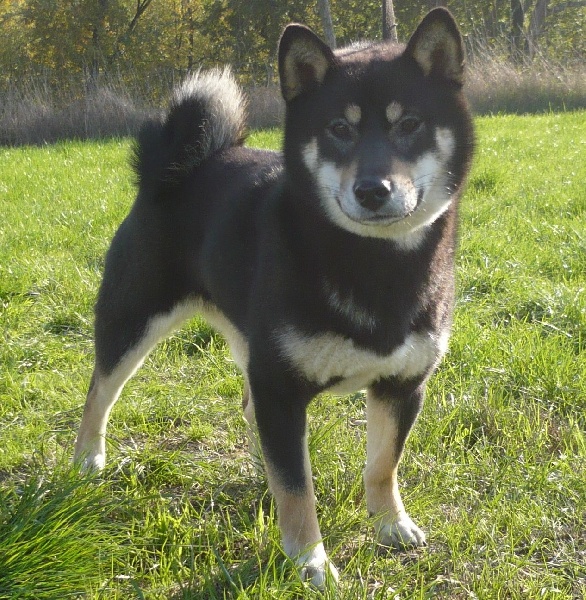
(495, 470)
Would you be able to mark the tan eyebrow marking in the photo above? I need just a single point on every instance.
(353, 114)
(394, 112)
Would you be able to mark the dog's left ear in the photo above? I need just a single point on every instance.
(303, 60)
(437, 46)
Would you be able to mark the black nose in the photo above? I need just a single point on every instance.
(372, 193)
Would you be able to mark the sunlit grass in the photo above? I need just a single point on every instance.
(495, 470)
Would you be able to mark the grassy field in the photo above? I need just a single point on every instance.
(495, 470)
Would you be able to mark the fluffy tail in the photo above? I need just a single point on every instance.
(207, 114)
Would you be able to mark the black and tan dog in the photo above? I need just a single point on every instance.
(326, 267)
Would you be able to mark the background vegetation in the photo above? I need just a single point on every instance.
(140, 38)
(95, 68)
(495, 470)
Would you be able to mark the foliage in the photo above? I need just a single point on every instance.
(86, 39)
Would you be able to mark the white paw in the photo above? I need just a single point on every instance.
(90, 464)
(316, 568)
(402, 533)
(90, 459)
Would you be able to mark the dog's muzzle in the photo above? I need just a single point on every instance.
(380, 201)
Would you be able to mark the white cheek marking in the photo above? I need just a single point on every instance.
(328, 177)
(329, 180)
(310, 156)
(328, 356)
(426, 172)
(394, 112)
(445, 142)
(429, 173)
(353, 114)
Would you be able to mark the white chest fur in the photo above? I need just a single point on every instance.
(327, 356)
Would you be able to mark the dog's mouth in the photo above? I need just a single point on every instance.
(386, 215)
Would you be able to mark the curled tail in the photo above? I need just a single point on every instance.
(207, 114)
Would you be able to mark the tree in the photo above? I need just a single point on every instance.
(98, 30)
(538, 22)
(83, 36)
(326, 19)
(389, 22)
(149, 43)
(126, 34)
(517, 19)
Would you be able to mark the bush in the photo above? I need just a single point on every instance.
(498, 86)
(34, 114)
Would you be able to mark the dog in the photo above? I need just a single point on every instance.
(329, 266)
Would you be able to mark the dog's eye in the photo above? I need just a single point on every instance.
(341, 130)
(409, 125)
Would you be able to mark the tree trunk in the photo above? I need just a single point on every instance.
(190, 37)
(536, 25)
(98, 29)
(326, 20)
(517, 18)
(389, 22)
(538, 18)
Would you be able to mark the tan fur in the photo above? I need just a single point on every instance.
(393, 525)
(301, 535)
(353, 114)
(297, 515)
(380, 475)
(393, 112)
(438, 42)
(302, 56)
(254, 446)
(90, 447)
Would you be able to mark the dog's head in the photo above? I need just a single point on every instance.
(382, 131)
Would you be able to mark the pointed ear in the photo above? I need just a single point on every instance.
(303, 60)
(437, 46)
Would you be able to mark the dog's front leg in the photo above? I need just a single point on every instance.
(391, 410)
(281, 422)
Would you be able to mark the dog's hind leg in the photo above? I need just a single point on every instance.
(391, 409)
(252, 429)
(90, 445)
(107, 380)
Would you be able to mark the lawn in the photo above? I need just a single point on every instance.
(495, 470)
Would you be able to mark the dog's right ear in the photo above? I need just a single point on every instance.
(303, 60)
